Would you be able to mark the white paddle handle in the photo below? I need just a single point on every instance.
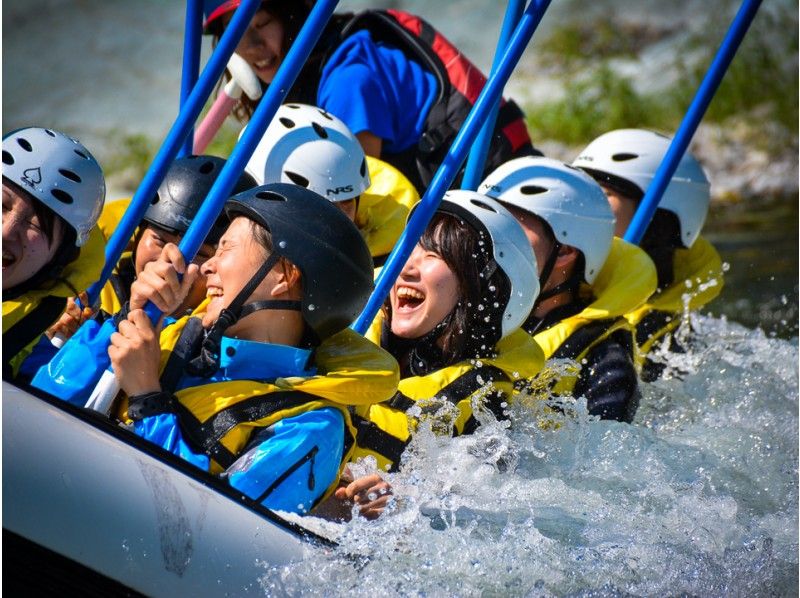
(104, 393)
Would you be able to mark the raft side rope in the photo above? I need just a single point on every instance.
(473, 171)
(169, 148)
(192, 33)
(447, 171)
(705, 93)
(107, 388)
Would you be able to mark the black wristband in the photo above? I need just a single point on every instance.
(150, 403)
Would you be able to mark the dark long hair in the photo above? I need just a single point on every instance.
(474, 326)
(292, 14)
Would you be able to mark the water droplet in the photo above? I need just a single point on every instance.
(311, 307)
(282, 244)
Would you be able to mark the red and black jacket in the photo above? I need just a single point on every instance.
(459, 84)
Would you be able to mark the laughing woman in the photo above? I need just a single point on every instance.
(53, 192)
(258, 387)
(452, 322)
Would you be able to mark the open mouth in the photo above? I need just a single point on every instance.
(8, 259)
(266, 64)
(409, 299)
(214, 292)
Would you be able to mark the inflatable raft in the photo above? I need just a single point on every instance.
(87, 504)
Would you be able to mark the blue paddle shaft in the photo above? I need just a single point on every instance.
(177, 134)
(191, 60)
(276, 93)
(448, 170)
(473, 171)
(705, 93)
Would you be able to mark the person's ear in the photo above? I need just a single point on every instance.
(567, 254)
(288, 280)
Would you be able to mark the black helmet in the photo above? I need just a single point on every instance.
(322, 242)
(183, 190)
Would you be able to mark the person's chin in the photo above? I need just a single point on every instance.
(408, 329)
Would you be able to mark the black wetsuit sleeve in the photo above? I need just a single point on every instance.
(609, 383)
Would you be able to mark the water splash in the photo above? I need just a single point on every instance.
(698, 497)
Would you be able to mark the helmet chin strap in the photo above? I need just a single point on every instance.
(205, 364)
(572, 283)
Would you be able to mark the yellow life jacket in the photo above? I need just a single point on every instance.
(626, 280)
(111, 297)
(111, 216)
(27, 317)
(383, 208)
(384, 429)
(698, 279)
(221, 416)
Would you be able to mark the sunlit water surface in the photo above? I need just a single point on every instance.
(698, 497)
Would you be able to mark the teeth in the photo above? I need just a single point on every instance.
(8, 258)
(214, 292)
(409, 293)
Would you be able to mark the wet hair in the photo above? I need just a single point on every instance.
(292, 14)
(474, 326)
(660, 240)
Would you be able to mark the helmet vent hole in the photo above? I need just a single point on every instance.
(287, 122)
(7, 158)
(532, 190)
(623, 157)
(206, 167)
(61, 196)
(320, 130)
(155, 200)
(325, 114)
(49, 132)
(270, 196)
(293, 106)
(297, 179)
(363, 167)
(72, 176)
(81, 154)
(24, 144)
(480, 204)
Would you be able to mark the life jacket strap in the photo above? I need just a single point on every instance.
(27, 329)
(369, 436)
(654, 324)
(582, 339)
(207, 436)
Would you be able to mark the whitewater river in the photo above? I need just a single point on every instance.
(698, 497)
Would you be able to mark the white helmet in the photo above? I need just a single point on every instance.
(566, 198)
(632, 156)
(58, 171)
(510, 249)
(309, 147)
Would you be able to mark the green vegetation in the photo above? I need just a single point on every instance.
(762, 80)
(225, 139)
(134, 155)
(592, 106)
(571, 44)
